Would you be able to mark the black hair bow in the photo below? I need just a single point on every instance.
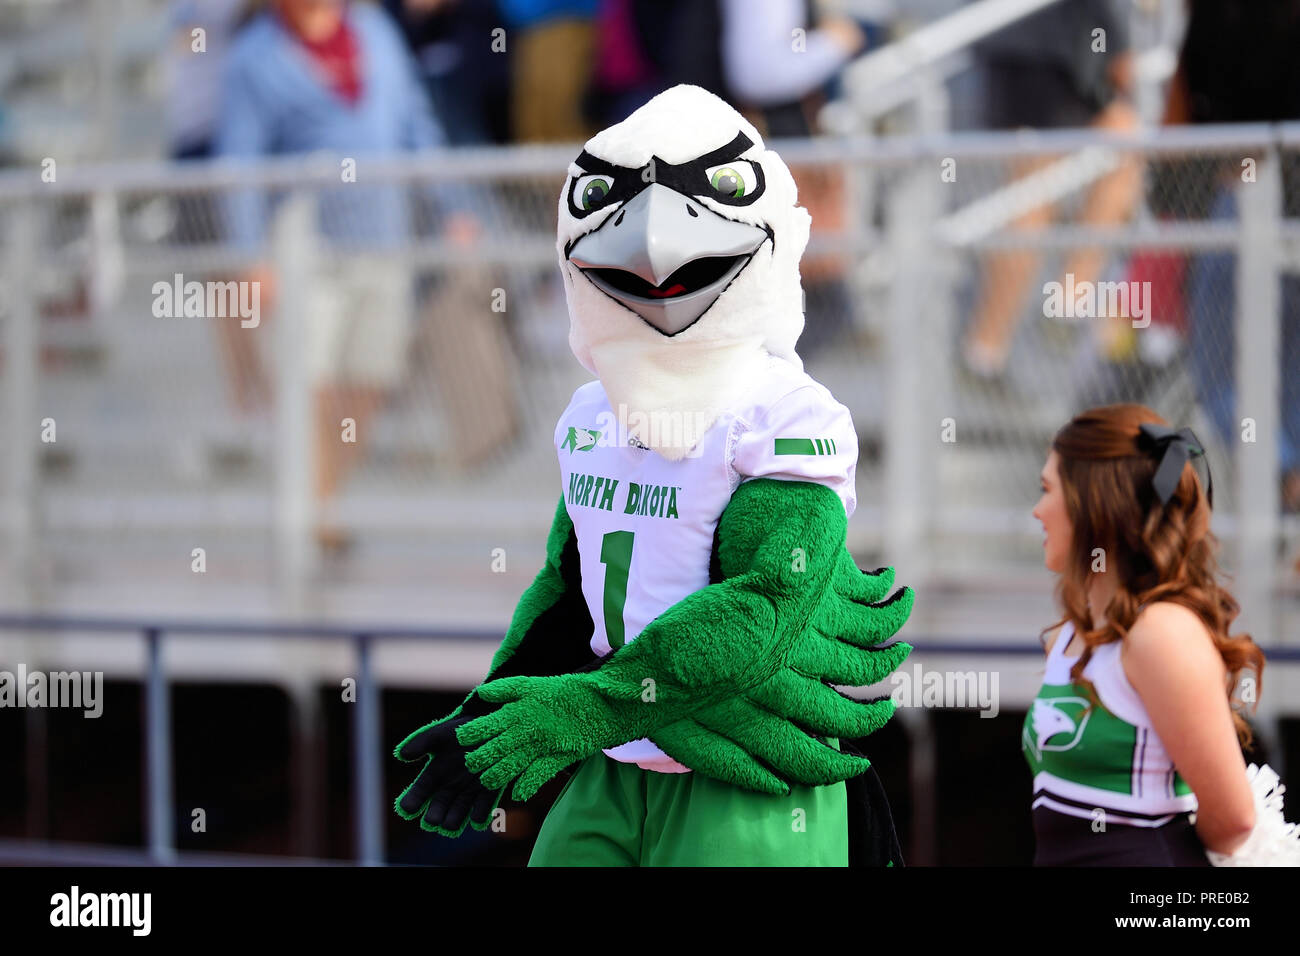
(1176, 447)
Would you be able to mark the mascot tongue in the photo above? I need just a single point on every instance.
(675, 289)
(679, 241)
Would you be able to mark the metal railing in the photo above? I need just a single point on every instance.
(366, 743)
(912, 241)
(368, 748)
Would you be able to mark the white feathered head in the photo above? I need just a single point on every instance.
(679, 240)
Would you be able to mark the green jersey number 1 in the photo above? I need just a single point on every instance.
(616, 555)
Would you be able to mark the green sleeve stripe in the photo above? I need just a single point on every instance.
(795, 446)
(805, 446)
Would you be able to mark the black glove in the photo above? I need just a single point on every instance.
(445, 795)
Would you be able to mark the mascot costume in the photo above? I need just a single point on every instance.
(698, 605)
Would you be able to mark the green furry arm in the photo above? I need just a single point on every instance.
(550, 633)
(736, 633)
(772, 735)
(712, 646)
(550, 630)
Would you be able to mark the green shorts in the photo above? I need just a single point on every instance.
(616, 814)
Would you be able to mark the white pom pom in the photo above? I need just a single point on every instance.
(1273, 842)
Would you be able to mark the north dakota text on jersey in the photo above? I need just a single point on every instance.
(597, 491)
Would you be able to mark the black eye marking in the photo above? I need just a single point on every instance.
(689, 178)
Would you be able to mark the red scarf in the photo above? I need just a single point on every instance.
(338, 57)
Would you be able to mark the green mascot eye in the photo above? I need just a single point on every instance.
(595, 192)
(728, 182)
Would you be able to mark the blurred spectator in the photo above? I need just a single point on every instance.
(467, 81)
(1066, 66)
(767, 55)
(192, 69)
(552, 46)
(625, 77)
(201, 32)
(1238, 64)
(778, 59)
(777, 53)
(313, 75)
(465, 348)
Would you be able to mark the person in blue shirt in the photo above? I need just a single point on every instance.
(311, 76)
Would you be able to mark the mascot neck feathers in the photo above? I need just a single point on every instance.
(679, 240)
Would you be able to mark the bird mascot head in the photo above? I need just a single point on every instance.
(679, 240)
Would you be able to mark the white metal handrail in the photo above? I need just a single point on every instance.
(913, 56)
(522, 163)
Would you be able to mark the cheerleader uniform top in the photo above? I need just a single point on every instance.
(1098, 763)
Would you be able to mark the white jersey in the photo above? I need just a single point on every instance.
(645, 524)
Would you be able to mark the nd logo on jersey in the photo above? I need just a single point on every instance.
(580, 439)
(1055, 723)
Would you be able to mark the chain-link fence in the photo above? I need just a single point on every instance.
(172, 377)
(1053, 272)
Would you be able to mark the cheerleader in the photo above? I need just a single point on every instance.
(1134, 740)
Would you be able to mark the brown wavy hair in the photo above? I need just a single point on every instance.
(1159, 552)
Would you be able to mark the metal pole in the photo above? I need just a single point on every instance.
(22, 423)
(1257, 376)
(932, 104)
(294, 254)
(1258, 396)
(860, 197)
(158, 750)
(105, 16)
(911, 433)
(367, 781)
(107, 257)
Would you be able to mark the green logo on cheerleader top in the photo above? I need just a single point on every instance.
(1054, 725)
(1064, 736)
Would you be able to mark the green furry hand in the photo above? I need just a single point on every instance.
(760, 740)
(546, 724)
(548, 634)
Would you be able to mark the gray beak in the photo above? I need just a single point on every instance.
(665, 256)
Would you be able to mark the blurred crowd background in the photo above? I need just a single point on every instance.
(955, 158)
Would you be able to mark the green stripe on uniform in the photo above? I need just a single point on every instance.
(805, 446)
(795, 446)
